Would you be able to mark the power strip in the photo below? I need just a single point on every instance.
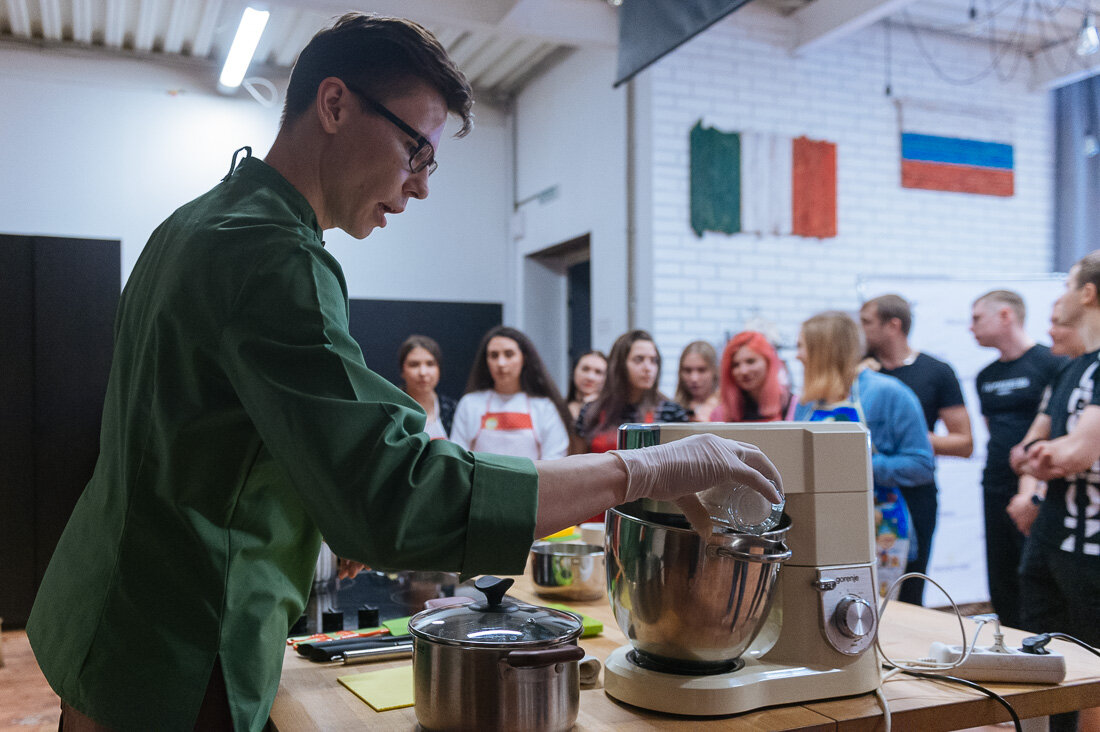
(1008, 665)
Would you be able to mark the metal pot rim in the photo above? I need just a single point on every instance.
(775, 534)
(470, 645)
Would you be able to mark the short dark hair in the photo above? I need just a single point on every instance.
(1088, 270)
(888, 307)
(1009, 298)
(379, 54)
(419, 341)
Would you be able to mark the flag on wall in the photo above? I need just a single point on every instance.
(955, 149)
(752, 182)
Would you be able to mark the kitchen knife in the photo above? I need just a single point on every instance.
(326, 653)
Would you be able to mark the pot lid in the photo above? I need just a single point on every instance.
(499, 621)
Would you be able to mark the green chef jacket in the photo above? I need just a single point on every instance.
(241, 424)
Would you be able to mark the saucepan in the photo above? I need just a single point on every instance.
(496, 665)
(567, 571)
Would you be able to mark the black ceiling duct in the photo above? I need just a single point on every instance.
(648, 29)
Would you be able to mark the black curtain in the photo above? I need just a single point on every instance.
(649, 29)
(1077, 172)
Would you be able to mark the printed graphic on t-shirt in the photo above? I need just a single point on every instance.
(1076, 526)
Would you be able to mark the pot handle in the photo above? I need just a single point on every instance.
(781, 554)
(544, 657)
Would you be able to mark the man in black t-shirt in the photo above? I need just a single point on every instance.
(886, 321)
(1060, 566)
(1010, 390)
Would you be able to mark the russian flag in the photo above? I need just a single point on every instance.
(932, 159)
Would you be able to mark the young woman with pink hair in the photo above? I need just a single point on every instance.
(752, 389)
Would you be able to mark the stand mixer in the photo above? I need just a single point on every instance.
(718, 627)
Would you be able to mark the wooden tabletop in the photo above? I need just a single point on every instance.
(310, 698)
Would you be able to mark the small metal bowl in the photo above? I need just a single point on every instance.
(568, 571)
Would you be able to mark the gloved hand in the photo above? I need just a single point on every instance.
(678, 470)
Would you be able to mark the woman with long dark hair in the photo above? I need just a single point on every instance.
(421, 359)
(630, 393)
(511, 405)
(589, 374)
(752, 390)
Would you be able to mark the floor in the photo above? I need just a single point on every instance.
(29, 703)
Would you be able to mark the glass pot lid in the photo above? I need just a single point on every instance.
(496, 622)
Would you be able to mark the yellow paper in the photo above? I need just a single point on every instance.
(388, 688)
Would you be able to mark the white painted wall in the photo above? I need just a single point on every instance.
(570, 132)
(107, 148)
(738, 76)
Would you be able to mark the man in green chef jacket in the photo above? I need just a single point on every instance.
(241, 423)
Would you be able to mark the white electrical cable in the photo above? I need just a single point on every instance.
(925, 665)
(253, 84)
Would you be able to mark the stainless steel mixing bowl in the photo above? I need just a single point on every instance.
(568, 571)
(685, 603)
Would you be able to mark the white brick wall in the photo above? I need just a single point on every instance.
(739, 76)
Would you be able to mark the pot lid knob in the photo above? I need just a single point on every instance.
(494, 589)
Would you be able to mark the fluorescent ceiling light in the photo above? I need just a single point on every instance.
(244, 45)
(1088, 40)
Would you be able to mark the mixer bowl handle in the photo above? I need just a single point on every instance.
(780, 554)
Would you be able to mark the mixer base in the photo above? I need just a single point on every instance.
(757, 684)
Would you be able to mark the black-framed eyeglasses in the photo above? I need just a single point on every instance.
(424, 154)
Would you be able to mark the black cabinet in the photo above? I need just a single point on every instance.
(58, 299)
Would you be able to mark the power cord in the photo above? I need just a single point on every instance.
(1036, 644)
(921, 667)
(969, 684)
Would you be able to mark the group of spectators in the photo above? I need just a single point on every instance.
(911, 403)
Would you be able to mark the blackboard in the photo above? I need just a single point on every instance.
(381, 326)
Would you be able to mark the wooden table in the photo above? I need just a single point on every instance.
(311, 699)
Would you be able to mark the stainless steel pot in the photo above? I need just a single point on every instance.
(496, 665)
(567, 571)
(685, 603)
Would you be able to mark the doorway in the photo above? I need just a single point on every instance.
(558, 304)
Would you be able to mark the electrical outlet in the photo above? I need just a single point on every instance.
(985, 664)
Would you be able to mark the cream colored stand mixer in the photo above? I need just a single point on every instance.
(740, 622)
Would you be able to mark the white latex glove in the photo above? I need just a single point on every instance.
(679, 470)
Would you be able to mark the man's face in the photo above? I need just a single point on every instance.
(875, 332)
(986, 323)
(1069, 305)
(365, 168)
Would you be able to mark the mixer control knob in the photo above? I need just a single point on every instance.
(854, 617)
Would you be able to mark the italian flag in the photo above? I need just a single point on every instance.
(762, 183)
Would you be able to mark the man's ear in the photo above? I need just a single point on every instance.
(1089, 294)
(332, 104)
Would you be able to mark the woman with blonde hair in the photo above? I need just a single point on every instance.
(836, 388)
(697, 388)
(752, 390)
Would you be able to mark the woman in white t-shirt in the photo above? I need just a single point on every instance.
(511, 406)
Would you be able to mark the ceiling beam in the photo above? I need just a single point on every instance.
(827, 21)
(570, 22)
(148, 13)
(114, 29)
(51, 19)
(1044, 75)
(82, 21)
(208, 22)
(469, 14)
(174, 34)
(19, 16)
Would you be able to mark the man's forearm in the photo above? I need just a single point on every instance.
(574, 488)
(956, 445)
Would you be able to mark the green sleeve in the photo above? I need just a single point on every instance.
(353, 444)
